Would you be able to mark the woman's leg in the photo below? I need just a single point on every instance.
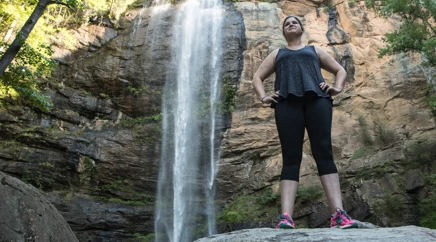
(332, 189)
(318, 118)
(288, 192)
(290, 126)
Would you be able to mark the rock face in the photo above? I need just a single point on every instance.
(28, 216)
(409, 233)
(382, 97)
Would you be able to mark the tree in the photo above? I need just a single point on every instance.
(21, 37)
(30, 70)
(417, 32)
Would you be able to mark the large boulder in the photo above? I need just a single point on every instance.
(28, 216)
(409, 233)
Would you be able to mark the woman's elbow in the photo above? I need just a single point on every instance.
(256, 80)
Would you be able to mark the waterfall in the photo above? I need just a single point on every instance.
(186, 188)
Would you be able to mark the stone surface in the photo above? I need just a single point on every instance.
(408, 233)
(28, 216)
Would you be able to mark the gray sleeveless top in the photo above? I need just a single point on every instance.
(298, 72)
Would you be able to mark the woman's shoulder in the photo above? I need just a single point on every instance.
(274, 53)
(319, 51)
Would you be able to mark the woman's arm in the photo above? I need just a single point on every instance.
(331, 65)
(267, 68)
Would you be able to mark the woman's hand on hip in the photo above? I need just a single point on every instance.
(271, 99)
(329, 89)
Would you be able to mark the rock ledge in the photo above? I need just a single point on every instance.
(407, 233)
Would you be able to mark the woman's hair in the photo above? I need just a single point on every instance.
(291, 16)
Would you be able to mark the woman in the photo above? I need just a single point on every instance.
(302, 100)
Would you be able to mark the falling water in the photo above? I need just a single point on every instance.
(160, 7)
(186, 189)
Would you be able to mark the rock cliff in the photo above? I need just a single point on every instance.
(378, 120)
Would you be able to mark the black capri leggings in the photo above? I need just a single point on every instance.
(292, 116)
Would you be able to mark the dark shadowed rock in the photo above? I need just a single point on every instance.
(95, 221)
(28, 216)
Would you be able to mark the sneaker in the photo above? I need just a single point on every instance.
(342, 220)
(285, 222)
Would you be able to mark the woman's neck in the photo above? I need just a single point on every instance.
(295, 43)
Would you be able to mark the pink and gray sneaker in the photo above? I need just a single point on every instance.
(342, 220)
(285, 222)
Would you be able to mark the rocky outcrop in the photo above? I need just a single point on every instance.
(28, 216)
(383, 99)
(409, 233)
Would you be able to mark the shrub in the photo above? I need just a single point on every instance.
(384, 136)
(420, 153)
(427, 206)
(309, 193)
(391, 206)
(364, 132)
(361, 152)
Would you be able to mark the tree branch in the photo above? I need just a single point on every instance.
(60, 2)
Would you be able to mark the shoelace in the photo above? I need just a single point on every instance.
(345, 214)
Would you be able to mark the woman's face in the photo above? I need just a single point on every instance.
(292, 27)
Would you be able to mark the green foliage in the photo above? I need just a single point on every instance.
(263, 205)
(122, 185)
(22, 80)
(251, 207)
(431, 98)
(32, 65)
(90, 167)
(228, 103)
(420, 153)
(229, 99)
(384, 136)
(309, 193)
(131, 122)
(10, 144)
(352, 3)
(34, 178)
(391, 206)
(268, 197)
(146, 130)
(137, 237)
(366, 173)
(242, 209)
(417, 32)
(361, 152)
(427, 206)
(364, 132)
